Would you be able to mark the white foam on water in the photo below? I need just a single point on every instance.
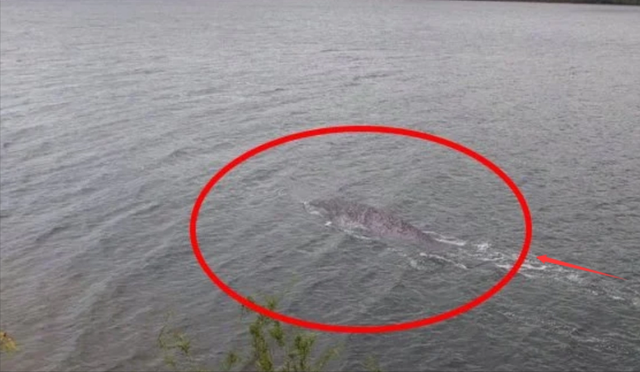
(507, 267)
(310, 209)
(356, 234)
(482, 247)
(441, 258)
(574, 277)
(484, 252)
(452, 240)
(533, 269)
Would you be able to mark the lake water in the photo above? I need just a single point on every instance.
(116, 114)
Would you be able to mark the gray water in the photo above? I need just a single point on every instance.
(116, 114)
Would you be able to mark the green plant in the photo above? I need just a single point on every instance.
(371, 364)
(7, 344)
(272, 348)
(284, 349)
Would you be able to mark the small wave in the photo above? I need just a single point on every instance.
(444, 259)
(574, 277)
(452, 240)
(483, 252)
(413, 263)
(51, 232)
(311, 209)
(507, 267)
(535, 270)
(482, 247)
(271, 91)
(354, 232)
(373, 75)
(529, 266)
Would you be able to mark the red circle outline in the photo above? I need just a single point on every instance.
(362, 328)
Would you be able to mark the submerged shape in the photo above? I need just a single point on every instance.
(352, 215)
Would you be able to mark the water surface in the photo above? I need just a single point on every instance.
(115, 114)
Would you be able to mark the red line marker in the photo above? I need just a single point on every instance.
(546, 259)
(373, 328)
